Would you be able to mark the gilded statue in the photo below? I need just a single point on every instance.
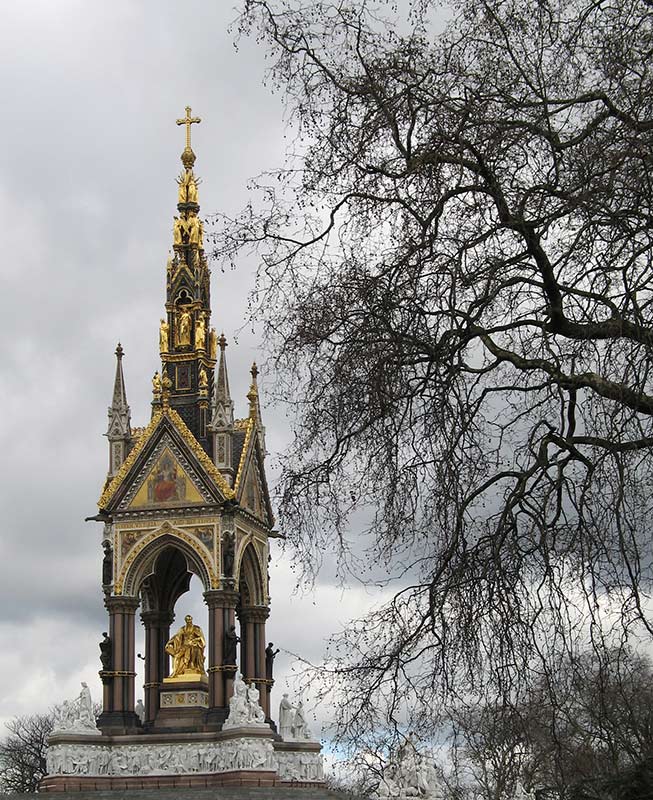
(187, 650)
(164, 334)
(187, 188)
(213, 343)
(191, 183)
(200, 332)
(156, 383)
(194, 229)
(177, 231)
(203, 379)
(183, 327)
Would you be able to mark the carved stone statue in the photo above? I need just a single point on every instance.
(244, 707)
(86, 715)
(140, 710)
(187, 650)
(299, 726)
(200, 333)
(256, 713)
(107, 563)
(164, 333)
(105, 651)
(238, 705)
(183, 326)
(228, 554)
(231, 640)
(286, 709)
(270, 655)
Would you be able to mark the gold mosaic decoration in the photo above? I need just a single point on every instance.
(189, 440)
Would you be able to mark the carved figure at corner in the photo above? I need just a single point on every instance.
(270, 655)
(177, 231)
(299, 725)
(164, 332)
(286, 709)
(213, 343)
(156, 383)
(231, 640)
(105, 652)
(228, 554)
(187, 650)
(107, 564)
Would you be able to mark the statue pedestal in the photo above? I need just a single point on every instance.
(182, 704)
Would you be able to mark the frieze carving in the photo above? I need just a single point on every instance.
(300, 766)
(184, 699)
(246, 753)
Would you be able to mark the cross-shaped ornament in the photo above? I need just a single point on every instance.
(188, 120)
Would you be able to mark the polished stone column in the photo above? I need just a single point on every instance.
(253, 654)
(157, 633)
(118, 713)
(221, 605)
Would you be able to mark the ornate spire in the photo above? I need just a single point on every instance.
(119, 429)
(223, 406)
(255, 407)
(186, 342)
(222, 419)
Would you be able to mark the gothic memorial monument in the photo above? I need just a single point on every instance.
(184, 496)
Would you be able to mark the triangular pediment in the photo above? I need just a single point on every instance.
(166, 468)
(167, 483)
(251, 486)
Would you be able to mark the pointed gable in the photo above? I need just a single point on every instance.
(250, 486)
(167, 467)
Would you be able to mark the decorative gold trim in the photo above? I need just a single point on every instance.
(190, 441)
(127, 464)
(167, 529)
(223, 668)
(201, 455)
(116, 673)
(190, 356)
(243, 455)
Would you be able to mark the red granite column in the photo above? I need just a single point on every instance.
(157, 633)
(253, 655)
(221, 605)
(118, 713)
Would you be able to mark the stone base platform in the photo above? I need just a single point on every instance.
(294, 792)
(239, 757)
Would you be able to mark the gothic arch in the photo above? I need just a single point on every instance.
(250, 581)
(142, 560)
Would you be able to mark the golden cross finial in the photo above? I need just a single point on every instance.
(188, 120)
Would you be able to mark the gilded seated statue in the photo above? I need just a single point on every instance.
(187, 650)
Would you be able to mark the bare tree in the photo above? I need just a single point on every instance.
(456, 284)
(22, 753)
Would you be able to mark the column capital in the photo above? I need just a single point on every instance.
(157, 618)
(122, 603)
(253, 613)
(221, 598)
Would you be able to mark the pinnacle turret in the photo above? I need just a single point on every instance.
(119, 429)
(255, 407)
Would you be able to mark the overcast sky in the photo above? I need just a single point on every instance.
(89, 155)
